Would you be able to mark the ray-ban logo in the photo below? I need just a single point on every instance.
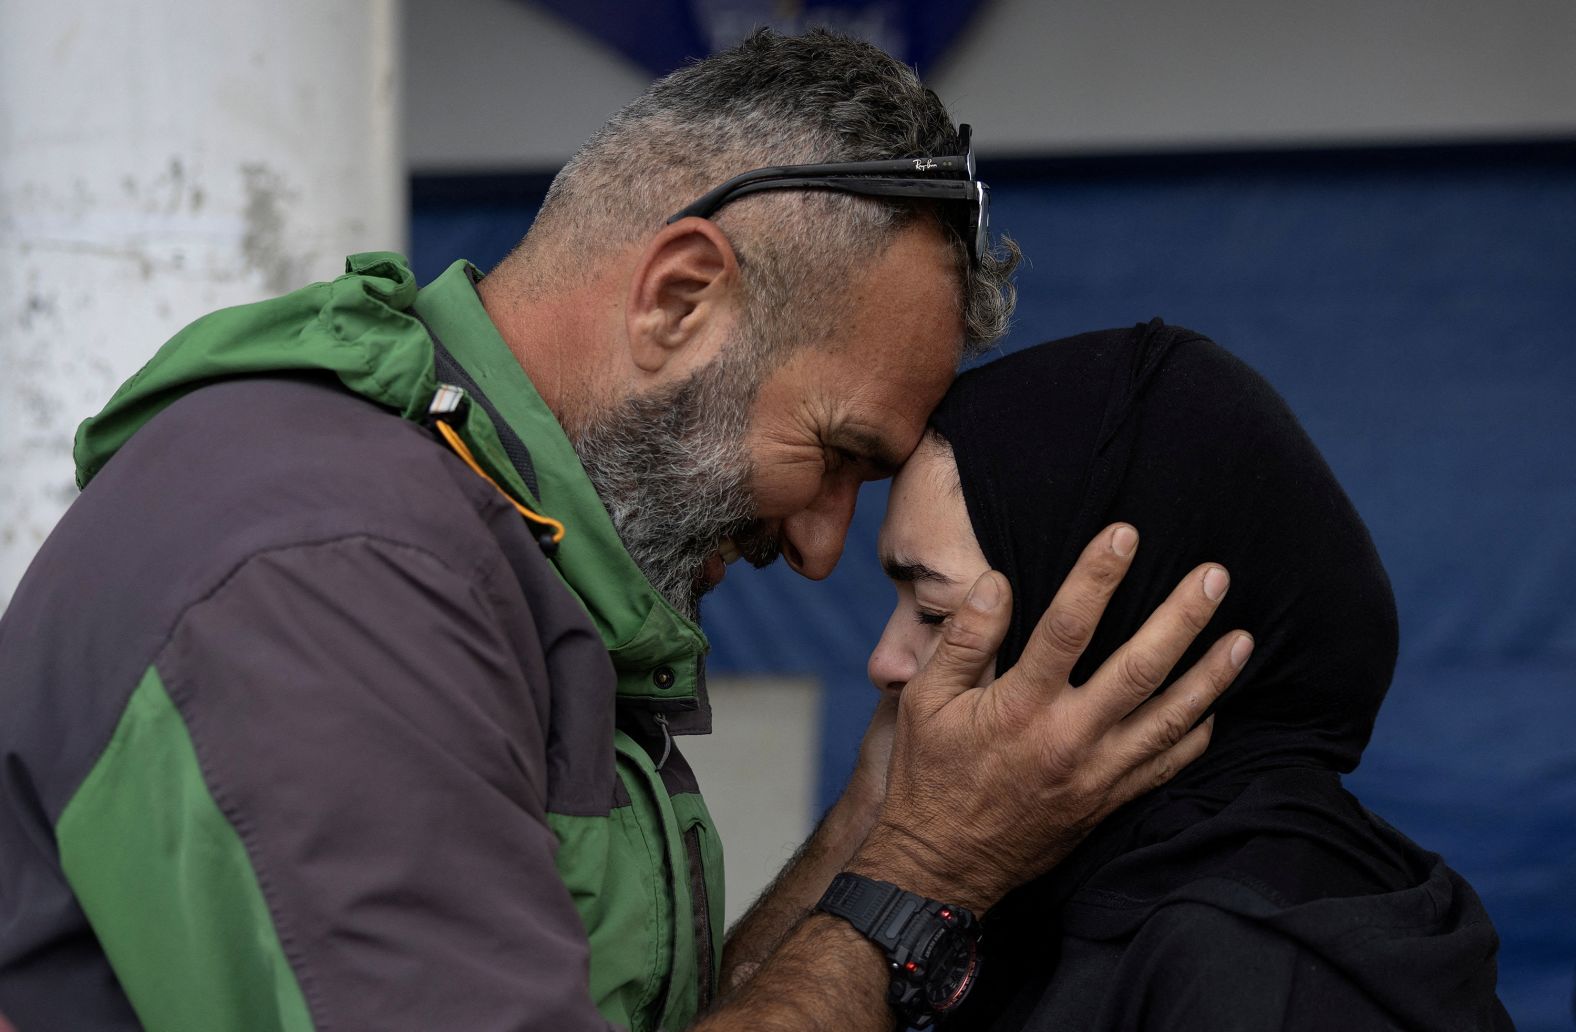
(923, 165)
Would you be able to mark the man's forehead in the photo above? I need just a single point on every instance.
(883, 417)
(896, 352)
(904, 315)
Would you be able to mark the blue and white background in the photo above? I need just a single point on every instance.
(1367, 202)
(1373, 201)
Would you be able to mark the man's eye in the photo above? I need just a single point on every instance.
(931, 618)
(838, 458)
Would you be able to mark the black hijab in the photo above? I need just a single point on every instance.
(1160, 427)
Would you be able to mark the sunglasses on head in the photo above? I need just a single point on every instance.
(947, 179)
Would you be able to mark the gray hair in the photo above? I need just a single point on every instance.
(771, 100)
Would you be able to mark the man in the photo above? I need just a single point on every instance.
(344, 696)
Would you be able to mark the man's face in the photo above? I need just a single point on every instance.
(720, 466)
(833, 418)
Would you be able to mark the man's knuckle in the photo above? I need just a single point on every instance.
(1220, 671)
(1068, 629)
(1196, 616)
(1171, 727)
(960, 634)
(1143, 670)
(1105, 571)
(1204, 681)
(1060, 757)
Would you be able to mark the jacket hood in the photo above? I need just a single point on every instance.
(1256, 843)
(1160, 427)
(374, 331)
(357, 328)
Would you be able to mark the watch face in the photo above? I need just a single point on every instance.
(953, 968)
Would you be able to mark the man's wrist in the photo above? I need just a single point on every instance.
(931, 947)
(894, 854)
(856, 810)
(823, 975)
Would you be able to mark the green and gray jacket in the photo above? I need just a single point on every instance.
(301, 729)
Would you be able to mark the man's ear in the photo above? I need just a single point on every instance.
(682, 297)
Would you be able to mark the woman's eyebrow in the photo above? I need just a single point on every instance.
(905, 571)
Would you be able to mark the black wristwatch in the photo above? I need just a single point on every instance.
(933, 947)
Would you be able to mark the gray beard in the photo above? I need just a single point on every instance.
(672, 468)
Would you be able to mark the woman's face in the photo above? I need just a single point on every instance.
(928, 550)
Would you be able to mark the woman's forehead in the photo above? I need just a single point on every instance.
(927, 529)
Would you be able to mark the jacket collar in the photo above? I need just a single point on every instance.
(658, 654)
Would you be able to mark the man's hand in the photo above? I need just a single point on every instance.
(987, 787)
(990, 787)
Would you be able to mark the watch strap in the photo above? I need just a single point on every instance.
(878, 910)
(907, 928)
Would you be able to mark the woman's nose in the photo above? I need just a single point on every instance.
(892, 664)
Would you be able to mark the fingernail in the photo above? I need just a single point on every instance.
(984, 595)
(1124, 541)
(1215, 583)
(1241, 649)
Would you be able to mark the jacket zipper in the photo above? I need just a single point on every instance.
(700, 904)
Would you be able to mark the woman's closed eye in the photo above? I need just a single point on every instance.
(931, 617)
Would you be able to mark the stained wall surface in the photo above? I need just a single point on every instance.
(159, 160)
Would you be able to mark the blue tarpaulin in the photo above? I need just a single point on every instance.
(660, 35)
(1411, 306)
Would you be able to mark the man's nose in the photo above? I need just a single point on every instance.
(813, 537)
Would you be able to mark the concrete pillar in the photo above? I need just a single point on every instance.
(158, 160)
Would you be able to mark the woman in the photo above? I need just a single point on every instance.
(1252, 892)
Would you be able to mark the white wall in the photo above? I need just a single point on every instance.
(758, 771)
(500, 84)
(158, 160)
